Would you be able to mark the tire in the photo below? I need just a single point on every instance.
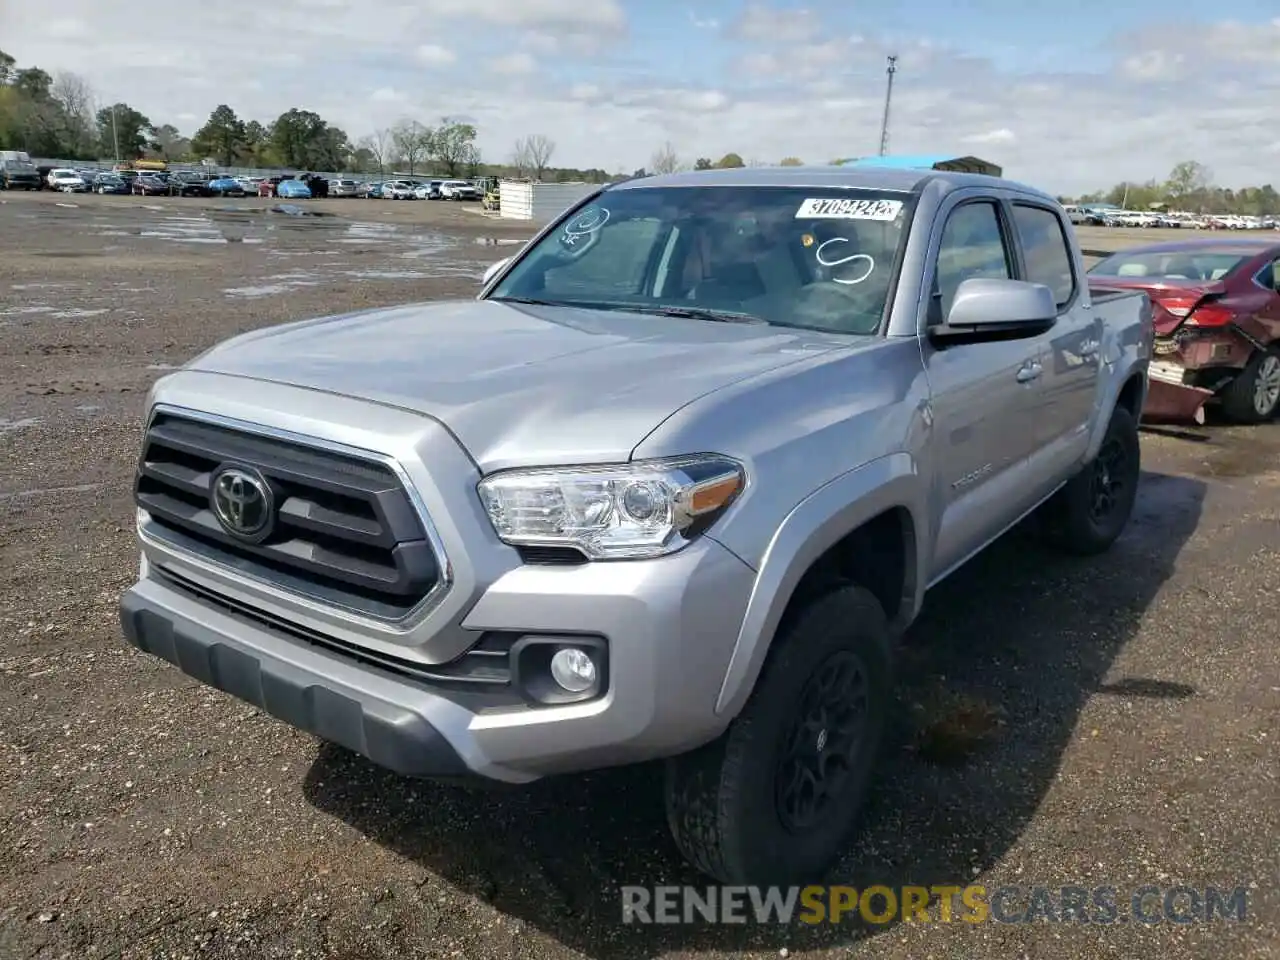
(1088, 515)
(725, 805)
(1254, 395)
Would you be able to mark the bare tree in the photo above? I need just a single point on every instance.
(540, 150)
(380, 146)
(665, 160)
(76, 96)
(412, 142)
(521, 162)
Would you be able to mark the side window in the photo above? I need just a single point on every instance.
(1269, 276)
(1045, 248)
(972, 246)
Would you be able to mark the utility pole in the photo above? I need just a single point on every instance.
(888, 97)
(115, 132)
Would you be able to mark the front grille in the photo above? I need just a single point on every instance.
(345, 532)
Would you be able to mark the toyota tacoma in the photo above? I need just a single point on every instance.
(669, 488)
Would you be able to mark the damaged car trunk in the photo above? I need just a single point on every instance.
(1216, 312)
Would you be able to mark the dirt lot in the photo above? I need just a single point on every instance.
(1062, 722)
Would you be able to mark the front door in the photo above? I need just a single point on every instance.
(984, 396)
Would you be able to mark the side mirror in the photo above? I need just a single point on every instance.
(494, 269)
(997, 309)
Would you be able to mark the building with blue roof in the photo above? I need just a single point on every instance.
(939, 161)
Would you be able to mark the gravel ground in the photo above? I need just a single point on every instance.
(1111, 722)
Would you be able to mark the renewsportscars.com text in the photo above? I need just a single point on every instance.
(972, 903)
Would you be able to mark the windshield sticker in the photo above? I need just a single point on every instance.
(835, 208)
(854, 267)
(579, 231)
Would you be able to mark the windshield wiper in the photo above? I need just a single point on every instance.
(660, 310)
(533, 301)
(701, 313)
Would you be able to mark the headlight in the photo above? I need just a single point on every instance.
(628, 511)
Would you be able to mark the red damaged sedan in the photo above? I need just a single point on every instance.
(1217, 324)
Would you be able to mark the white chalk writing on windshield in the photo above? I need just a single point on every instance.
(860, 265)
(837, 208)
(584, 225)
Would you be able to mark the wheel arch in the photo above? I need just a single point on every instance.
(865, 527)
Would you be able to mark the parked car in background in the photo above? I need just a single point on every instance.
(67, 180)
(105, 183)
(149, 184)
(16, 174)
(429, 190)
(293, 190)
(184, 184)
(399, 190)
(371, 191)
(458, 190)
(686, 513)
(226, 187)
(344, 188)
(1217, 323)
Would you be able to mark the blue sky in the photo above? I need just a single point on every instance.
(1069, 97)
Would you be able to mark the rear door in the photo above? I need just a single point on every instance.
(1070, 350)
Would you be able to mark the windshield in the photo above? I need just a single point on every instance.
(820, 259)
(1171, 264)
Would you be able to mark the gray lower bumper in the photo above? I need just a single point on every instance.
(389, 735)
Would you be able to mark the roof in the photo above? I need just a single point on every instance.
(929, 161)
(900, 180)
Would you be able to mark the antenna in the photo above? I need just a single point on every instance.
(888, 97)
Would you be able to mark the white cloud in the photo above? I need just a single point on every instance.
(518, 63)
(991, 137)
(771, 83)
(760, 23)
(434, 55)
(703, 23)
(1153, 65)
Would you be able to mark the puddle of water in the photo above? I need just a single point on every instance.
(265, 290)
(70, 206)
(11, 426)
(21, 311)
(161, 366)
(88, 408)
(37, 286)
(387, 274)
(76, 313)
(498, 242)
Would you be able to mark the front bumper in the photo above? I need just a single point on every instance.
(670, 627)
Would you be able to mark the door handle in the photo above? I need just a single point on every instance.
(1029, 371)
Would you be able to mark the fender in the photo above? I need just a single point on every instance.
(809, 530)
(1129, 363)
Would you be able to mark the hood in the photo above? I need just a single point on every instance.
(516, 384)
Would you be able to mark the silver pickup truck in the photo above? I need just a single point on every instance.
(668, 488)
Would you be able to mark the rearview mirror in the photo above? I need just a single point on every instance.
(494, 269)
(998, 307)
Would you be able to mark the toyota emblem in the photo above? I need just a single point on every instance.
(243, 502)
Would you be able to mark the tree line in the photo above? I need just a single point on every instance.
(1189, 188)
(58, 116)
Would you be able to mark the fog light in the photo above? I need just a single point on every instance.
(573, 670)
